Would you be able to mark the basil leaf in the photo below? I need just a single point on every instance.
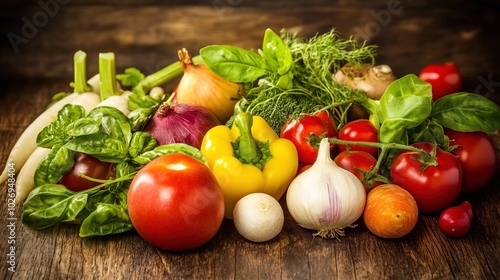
(84, 126)
(93, 199)
(276, 54)
(101, 146)
(139, 117)
(233, 63)
(181, 148)
(51, 204)
(141, 142)
(56, 132)
(406, 103)
(131, 77)
(114, 123)
(466, 112)
(59, 161)
(106, 219)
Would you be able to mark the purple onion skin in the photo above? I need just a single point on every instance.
(181, 123)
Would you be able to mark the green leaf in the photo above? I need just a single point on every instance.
(139, 117)
(114, 123)
(131, 77)
(84, 126)
(233, 63)
(51, 204)
(106, 219)
(59, 161)
(406, 103)
(56, 132)
(181, 148)
(276, 54)
(93, 199)
(101, 146)
(141, 142)
(466, 112)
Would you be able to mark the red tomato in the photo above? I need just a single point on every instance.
(477, 156)
(354, 161)
(434, 188)
(444, 78)
(359, 130)
(307, 131)
(175, 203)
(90, 166)
(455, 221)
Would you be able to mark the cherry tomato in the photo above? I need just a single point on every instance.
(359, 130)
(477, 156)
(444, 78)
(90, 166)
(354, 161)
(175, 203)
(455, 221)
(307, 131)
(435, 187)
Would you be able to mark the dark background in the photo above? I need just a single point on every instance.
(147, 34)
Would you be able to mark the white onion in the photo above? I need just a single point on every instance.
(326, 197)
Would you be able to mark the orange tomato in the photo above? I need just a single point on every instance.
(390, 211)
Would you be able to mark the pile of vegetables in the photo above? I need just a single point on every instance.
(315, 119)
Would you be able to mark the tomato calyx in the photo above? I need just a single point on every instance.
(426, 158)
(314, 139)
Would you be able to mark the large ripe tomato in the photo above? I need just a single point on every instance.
(354, 161)
(306, 132)
(444, 78)
(91, 167)
(175, 203)
(359, 130)
(435, 187)
(477, 156)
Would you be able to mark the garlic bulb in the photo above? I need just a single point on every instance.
(326, 197)
(373, 80)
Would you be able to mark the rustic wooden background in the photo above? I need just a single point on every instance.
(36, 62)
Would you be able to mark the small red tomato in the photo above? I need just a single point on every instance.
(444, 78)
(455, 221)
(359, 130)
(354, 161)
(306, 132)
(436, 186)
(90, 166)
(175, 203)
(477, 156)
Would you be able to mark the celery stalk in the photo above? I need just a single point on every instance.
(107, 75)
(165, 75)
(80, 72)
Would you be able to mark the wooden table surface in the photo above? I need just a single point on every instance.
(37, 63)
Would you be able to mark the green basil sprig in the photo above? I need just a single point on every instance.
(102, 209)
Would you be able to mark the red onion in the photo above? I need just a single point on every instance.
(181, 123)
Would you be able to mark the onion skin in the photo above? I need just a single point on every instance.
(180, 123)
(201, 86)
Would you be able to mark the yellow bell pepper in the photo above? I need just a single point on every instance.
(250, 157)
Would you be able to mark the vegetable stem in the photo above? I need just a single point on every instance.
(107, 75)
(164, 75)
(80, 72)
(247, 147)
